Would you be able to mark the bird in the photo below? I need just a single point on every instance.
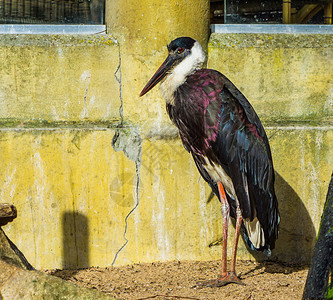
(221, 130)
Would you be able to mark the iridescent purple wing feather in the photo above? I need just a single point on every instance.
(216, 122)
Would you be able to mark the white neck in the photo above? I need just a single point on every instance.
(178, 75)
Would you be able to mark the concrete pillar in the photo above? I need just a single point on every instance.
(143, 29)
(157, 22)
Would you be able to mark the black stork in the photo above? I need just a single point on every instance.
(228, 143)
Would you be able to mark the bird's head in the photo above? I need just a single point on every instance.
(185, 56)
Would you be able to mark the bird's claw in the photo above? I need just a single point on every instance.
(230, 277)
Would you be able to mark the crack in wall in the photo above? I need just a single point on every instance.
(118, 76)
(128, 140)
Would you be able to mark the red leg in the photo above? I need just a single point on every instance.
(226, 216)
(237, 232)
(226, 277)
(232, 277)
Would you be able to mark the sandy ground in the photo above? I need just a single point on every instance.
(178, 280)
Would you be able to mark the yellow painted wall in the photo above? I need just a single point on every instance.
(58, 78)
(287, 78)
(73, 193)
(142, 30)
(76, 195)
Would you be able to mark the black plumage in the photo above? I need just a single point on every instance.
(226, 130)
(222, 131)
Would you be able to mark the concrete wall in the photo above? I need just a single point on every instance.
(99, 175)
(58, 78)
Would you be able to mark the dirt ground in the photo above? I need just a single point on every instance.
(178, 280)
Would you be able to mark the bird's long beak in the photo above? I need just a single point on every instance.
(159, 75)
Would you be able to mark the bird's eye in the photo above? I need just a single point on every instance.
(180, 50)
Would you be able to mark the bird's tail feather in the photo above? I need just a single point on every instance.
(265, 249)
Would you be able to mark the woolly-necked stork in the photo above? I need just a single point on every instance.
(221, 130)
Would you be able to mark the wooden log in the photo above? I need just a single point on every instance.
(8, 213)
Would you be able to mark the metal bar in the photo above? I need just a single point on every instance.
(225, 12)
(272, 28)
(286, 11)
(52, 29)
(328, 14)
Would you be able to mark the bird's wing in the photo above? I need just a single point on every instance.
(241, 146)
(217, 124)
(247, 107)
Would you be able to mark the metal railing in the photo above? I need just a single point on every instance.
(51, 11)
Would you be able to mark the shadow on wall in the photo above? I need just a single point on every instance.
(295, 244)
(75, 242)
(297, 235)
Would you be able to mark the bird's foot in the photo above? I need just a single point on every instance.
(230, 277)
